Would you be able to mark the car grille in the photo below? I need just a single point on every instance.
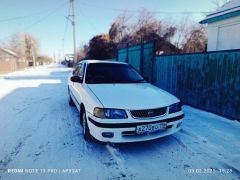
(146, 113)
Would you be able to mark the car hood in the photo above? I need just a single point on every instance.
(132, 96)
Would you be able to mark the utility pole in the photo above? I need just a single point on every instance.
(63, 52)
(74, 29)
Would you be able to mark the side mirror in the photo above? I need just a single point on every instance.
(76, 79)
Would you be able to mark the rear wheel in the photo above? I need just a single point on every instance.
(86, 133)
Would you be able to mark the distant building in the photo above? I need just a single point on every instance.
(69, 57)
(8, 55)
(8, 60)
(223, 27)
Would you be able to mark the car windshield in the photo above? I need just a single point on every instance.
(102, 73)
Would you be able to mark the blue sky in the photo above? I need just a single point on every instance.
(46, 19)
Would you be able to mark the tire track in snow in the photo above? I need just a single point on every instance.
(15, 151)
(8, 158)
(213, 151)
(118, 159)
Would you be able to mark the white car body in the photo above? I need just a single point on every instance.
(128, 97)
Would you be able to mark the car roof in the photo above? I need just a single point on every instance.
(91, 61)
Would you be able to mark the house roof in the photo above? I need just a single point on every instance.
(228, 10)
(8, 51)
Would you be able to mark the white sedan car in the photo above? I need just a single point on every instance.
(117, 105)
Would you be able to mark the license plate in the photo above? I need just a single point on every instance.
(149, 128)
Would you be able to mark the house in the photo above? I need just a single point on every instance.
(8, 60)
(7, 54)
(223, 27)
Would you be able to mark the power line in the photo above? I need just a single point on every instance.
(48, 15)
(24, 16)
(38, 21)
(89, 22)
(21, 17)
(137, 11)
(67, 22)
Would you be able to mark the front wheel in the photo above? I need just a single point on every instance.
(86, 133)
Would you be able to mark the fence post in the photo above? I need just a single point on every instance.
(142, 57)
(117, 54)
(153, 62)
(127, 54)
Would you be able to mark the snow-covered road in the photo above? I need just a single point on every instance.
(41, 136)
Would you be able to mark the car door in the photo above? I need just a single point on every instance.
(71, 84)
(78, 87)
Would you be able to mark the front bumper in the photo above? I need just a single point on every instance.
(126, 131)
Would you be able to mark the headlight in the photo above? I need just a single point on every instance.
(109, 113)
(175, 107)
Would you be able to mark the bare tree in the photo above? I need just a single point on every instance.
(183, 29)
(101, 47)
(119, 28)
(25, 45)
(147, 26)
(17, 44)
(196, 40)
(32, 47)
(82, 52)
(169, 38)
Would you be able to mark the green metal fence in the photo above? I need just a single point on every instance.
(140, 57)
(113, 59)
(209, 81)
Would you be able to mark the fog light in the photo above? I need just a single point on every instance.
(179, 124)
(107, 134)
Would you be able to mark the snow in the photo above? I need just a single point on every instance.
(231, 6)
(41, 134)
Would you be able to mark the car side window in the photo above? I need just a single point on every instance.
(81, 70)
(76, 70)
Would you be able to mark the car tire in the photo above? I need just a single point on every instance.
(86, 133)
(70, 101)
(81, 116)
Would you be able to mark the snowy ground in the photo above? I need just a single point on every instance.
(40, 134)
